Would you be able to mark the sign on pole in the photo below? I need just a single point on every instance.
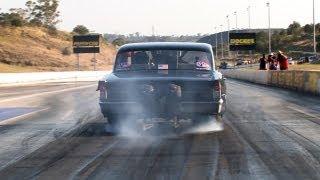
(242, 41)
(86, 44)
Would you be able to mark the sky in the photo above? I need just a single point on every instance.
(176, 17)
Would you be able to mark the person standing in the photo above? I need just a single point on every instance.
(272, 62)
(263, 62)
(283, 61)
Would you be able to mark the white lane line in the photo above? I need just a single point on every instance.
(17, 118)
(46, 93)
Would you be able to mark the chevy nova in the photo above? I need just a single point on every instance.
(171, 81)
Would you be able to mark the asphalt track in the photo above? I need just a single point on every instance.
(55, 131)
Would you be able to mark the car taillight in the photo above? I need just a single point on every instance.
(103, 90)
(217, 86)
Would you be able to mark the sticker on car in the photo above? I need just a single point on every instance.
(163, 66)
(123, 66)
(202, 65)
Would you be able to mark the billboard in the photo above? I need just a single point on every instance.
(86, 43)
(242, 41)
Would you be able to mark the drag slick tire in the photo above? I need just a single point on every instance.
(113, 120)
(200, 119)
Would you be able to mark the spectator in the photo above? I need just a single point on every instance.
(263, 62)
(283, 61)
(272, 62)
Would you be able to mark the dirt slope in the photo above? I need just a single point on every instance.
(27, 49)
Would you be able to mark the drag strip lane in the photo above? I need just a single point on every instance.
(57, 111)
(264, 138)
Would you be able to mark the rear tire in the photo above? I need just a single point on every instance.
(200, 119)
(113, 120)
(219, 118)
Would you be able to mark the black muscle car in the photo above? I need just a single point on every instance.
(170, 81)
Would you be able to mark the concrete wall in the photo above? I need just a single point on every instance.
(8, 79)
(303, 81)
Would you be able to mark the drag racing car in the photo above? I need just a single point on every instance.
(169, 81)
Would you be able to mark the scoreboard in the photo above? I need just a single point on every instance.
(242, 41)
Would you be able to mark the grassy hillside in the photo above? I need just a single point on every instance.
(25, 49)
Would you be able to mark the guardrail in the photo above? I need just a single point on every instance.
(302, 81)
(7, 79)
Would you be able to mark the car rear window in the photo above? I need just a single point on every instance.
(163, 60)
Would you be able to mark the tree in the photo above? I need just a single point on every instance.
(318, 39)
(262, 42)
(43, 12)
(318, 27)
(22, 12)
(31, 12)
(277, 41)
(318, 42)
(308, 28)
(294, 28)
(283, 32)
(81, 30)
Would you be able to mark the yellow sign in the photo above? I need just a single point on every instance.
(93, 43)
(242, 42)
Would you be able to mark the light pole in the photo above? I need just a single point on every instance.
(228, 22)
(269, 27)
(221, 33)
(314, 31)
(215, 29)
(249, 16)
(153, 31)
(236, 16)
(249, 23)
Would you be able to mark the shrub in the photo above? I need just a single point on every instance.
(5, 61)
(28, 63)
(81, 30)
(11, 19)
(66, 51)
(118, 42)
(52, 30)
(35, 22)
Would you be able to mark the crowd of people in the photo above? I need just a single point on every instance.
(274, 62)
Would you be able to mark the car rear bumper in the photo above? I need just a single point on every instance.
(211, 108)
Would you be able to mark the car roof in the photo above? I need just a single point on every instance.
(191, 46)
